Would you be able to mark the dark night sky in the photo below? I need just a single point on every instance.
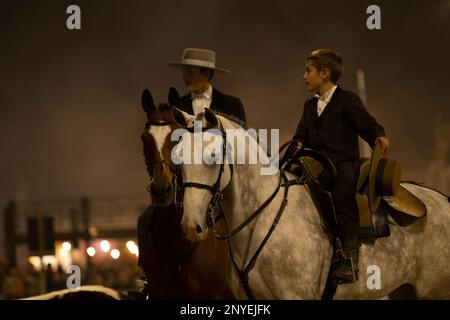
(70, 115)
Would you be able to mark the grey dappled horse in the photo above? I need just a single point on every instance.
(295, 261)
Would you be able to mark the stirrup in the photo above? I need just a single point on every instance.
(348, 262)
(340, 259)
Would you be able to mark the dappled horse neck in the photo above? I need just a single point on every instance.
(236, 123)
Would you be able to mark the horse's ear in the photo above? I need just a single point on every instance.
(179, 117)
(174, 97)
(211, 118)
(147, 102)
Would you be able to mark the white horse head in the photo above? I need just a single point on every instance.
(203, 161)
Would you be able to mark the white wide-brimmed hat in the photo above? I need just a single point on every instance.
(198, 58)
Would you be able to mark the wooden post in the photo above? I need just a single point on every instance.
(364, 148)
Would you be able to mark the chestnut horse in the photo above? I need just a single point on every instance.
(175, 267)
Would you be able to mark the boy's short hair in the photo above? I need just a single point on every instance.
(329, 59)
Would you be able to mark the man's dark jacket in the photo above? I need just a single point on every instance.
(335, 132)
(220, 102)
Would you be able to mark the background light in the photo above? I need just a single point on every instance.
(104, 245)
(66, 246)
(90, 251)
(36, 262)
(132, 247)
(115, 254)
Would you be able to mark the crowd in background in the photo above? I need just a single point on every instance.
(18, 283)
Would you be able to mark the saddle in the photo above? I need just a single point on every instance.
(381, 198)
(398, 206)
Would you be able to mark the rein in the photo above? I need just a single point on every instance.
(282, 182)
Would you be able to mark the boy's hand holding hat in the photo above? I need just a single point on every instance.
(384, 143)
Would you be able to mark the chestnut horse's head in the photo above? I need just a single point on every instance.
(158, 146)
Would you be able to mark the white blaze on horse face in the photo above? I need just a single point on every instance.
(194, 213)
(160, 134)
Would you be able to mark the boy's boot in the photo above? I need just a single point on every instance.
(346, 265)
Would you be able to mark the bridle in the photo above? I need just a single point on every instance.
(178, 197)
(217, 194)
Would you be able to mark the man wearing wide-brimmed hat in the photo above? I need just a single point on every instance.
(198, 68)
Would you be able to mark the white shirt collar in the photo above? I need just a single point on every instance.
(207, 94)
(327, 95)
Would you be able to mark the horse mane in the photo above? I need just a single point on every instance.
(241, 123)
(164, 106)
(233, 119)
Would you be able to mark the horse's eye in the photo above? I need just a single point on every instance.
(210, 159)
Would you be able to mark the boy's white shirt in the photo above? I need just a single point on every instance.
(324, 99)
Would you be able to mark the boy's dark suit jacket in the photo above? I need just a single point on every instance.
(220, 102)
(335, 132)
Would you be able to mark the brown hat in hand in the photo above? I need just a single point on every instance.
(384, 178)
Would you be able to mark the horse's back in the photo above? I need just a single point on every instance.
(433, 279)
